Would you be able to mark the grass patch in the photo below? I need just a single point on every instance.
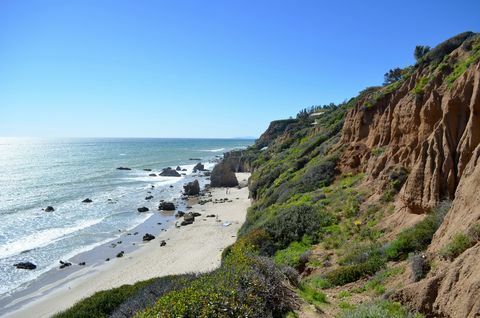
(296, 254)
(418, 237)
(379, 309)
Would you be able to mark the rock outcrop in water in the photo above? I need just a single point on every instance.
(169, 172)
(25, 265)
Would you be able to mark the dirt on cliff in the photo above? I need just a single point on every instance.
(427, 125)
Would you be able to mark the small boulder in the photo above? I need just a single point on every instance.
(198, 167)
(192, 188)
(169, 172)
(163, 243)
(120, 254)
(87, 200)
(148, 237)
(166, 206)
(149, 197)
(123, 168)
(189, 217)
(147, 169)
(152, 175)
(178, 168)
(64, 264)
(142, 209)
(25, 265)
(180, 214)
(49, 209)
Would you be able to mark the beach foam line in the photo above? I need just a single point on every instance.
(42, 238)
(214, 150)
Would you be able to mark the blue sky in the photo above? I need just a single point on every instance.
(113, 68)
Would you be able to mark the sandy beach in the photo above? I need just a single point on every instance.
(193, 248)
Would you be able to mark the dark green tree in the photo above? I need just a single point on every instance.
(393, 75)
(420, 51)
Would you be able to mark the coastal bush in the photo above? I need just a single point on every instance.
(418, 237)
(103, 303)
(351, 273)
(379, 309)
(317, 175)
(459, 243)
(291, 223)
(244, 286)
(312, 295)
(148, 294)
(296, 254)
(420, 266)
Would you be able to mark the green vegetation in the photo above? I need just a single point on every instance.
(418, 237)
(420, 52)
(313, 295)
(461, 66)
(351, 273)
(244, 286)
(421, 83)
(379, 309)
(461, 242)
(103, 303)
(296, 254)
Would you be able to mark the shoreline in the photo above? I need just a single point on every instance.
(193, 248)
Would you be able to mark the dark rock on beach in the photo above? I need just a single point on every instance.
(142, 209)
(169, 172)
(180, 214)
(223, 175)
(199, 167)
(87, 200)
(149, 197)
(120, 254)
(163, 243)
(123, 168)
(192, 188)
(178, 168)
(147, 169)
(148, 237)
(25, 265)
(64, 264)
(82, 263)
(166, 206)
(49, 209)
(197, 159)
(152, 175)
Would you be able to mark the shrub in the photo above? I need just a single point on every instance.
(317, 175)
(291, 223)
(319, 282)
(418, 237)
(312, 294)
(393, 76)
(420, 52)
(420, 267)
(103, 303)
(446, 47)
(244, 286)
(379, 309)
(459, 243)
(296, 254)
(351, 273)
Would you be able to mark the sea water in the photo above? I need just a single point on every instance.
(36, 173)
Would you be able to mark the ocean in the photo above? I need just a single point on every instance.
(36, 173)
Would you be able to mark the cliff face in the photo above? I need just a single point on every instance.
(429, 124)
(426, 125)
